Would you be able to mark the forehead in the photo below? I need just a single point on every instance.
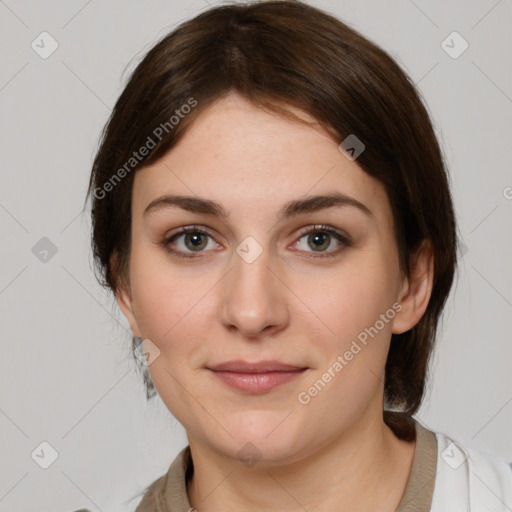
(239, 155)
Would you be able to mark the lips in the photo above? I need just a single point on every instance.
(241, 366)
(255, 378)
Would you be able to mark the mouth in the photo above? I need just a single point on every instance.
(241, 366)
(255, 378)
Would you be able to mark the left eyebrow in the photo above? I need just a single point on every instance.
(316, 203)
(309, 204)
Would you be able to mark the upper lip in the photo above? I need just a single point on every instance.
(256, 367)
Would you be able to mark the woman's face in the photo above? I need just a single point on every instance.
(258, 288)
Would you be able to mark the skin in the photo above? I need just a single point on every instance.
(335, 452)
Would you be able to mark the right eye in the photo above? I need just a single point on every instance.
(194, 239)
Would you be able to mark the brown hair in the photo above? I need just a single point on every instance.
(279, 53)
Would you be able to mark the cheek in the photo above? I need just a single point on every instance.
(352, 337)
(345, 302)
(168, 310)
(159, 300)
(173, 310)
(352, 349)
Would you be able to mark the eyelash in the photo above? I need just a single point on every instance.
(310, 229)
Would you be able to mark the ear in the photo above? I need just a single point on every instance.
(416, 290)
(124, 297)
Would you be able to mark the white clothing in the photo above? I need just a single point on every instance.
(469, 480)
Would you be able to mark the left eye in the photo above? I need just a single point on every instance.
(318, 238)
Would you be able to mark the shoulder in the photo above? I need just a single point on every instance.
(468, 478)
(152, 500)
(152, 496)
(169, 492)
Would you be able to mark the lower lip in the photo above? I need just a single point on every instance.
(256, 382)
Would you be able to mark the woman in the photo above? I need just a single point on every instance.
(272, 211)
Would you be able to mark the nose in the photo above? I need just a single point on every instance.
(255, 300)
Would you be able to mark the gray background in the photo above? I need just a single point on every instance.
(66, 373)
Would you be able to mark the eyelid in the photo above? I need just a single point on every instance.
(327, 229)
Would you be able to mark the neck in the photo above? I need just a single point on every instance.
(365, 468)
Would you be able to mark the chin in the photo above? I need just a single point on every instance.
(272, 442)
(260, 454)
